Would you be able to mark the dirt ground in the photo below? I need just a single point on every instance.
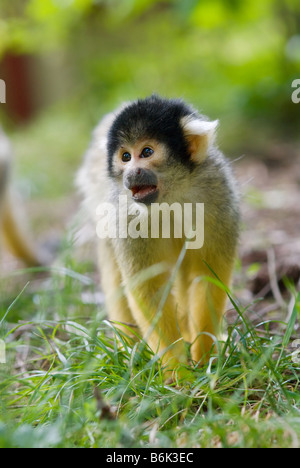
(270, 235)
(271, 214)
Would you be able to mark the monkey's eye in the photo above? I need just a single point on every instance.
(146, 152)
(126, 157)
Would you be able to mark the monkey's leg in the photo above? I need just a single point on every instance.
(207, 304)
(15, 233)
(157, 320)
(111, 282)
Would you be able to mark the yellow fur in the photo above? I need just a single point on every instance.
(149, 282)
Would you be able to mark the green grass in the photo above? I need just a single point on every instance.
(67, 382)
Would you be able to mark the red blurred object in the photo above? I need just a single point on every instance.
(19, 99)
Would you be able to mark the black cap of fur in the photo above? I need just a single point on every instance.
(154, 118)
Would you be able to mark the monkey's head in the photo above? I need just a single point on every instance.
(154, 145)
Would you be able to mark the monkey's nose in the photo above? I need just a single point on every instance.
(140, 176)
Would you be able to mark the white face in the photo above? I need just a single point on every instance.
(139, 165)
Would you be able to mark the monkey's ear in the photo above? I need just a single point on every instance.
(200, 135)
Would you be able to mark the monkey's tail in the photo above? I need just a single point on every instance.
(15, 233)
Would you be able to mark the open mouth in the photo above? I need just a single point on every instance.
(144, 193)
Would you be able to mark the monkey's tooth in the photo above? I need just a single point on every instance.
(140, 192)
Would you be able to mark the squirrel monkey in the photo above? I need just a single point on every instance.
(161, 151)
(11, 219)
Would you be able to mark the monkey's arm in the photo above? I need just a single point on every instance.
(111, 283)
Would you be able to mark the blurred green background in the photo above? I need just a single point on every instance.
(66, 62)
